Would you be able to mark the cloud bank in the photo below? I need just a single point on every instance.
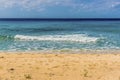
(71, 4)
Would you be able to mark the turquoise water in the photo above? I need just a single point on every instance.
(56, 35)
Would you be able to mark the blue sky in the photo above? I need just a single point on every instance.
(59, 8)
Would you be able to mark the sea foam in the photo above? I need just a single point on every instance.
(74, 38)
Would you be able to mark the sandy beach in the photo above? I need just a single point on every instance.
(64, 66)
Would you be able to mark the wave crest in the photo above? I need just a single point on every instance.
(75, 38)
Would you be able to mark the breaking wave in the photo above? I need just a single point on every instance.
(74, 37)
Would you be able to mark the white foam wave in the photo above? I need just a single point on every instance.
(75, 37)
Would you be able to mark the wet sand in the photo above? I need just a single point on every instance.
(64, 66)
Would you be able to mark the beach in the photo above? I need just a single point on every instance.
(82, 65)
(59, 50)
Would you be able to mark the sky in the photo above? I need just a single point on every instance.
(59, 8)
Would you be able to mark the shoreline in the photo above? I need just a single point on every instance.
(68, 51)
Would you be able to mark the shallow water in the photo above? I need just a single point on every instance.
(57, 35)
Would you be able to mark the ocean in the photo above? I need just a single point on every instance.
(36, 35)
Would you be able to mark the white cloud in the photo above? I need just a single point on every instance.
(31, 4)
(42, 4)
(98, 5)
(114, 4)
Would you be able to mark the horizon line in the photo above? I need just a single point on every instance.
(60, 19)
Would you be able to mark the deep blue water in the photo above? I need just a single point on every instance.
(56, 35)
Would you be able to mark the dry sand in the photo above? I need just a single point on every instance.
(46, 66)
